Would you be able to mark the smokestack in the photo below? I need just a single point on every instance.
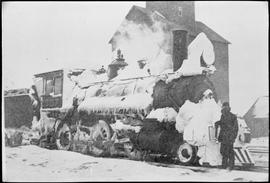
(118, 63)
(180, 51)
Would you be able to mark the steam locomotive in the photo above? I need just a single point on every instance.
(111, 118)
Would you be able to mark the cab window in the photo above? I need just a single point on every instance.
(57, 85)
(48, 86)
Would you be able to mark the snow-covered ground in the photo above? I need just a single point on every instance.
(259, 149)
(32, 163)
(261, 141)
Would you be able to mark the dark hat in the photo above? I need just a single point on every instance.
(226, 104)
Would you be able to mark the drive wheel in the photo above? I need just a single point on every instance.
(101, 136)
(63, 137)
(186, 154)
(102, 131)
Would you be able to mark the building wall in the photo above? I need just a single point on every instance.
(221, 76)
(259, 127)
(258, 124)
(170, 9)
(18, 111)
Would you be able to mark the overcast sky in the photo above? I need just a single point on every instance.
(44, 36)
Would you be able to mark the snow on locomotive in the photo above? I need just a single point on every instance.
(168, 114)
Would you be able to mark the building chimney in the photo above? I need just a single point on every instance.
(180, 51)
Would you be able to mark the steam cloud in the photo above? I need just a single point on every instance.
(143, 42)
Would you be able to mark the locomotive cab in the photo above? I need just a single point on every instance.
(50, 88)
(53, 87)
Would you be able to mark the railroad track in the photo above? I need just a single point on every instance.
(258, 149)
(204, 169)
(261, 165)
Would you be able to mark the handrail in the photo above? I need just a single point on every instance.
(141, 77)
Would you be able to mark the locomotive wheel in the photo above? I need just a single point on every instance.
(101, 133)
(186, 154)
(63, 137)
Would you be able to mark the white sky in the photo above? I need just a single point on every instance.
(44, 36)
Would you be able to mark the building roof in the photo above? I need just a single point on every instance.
(260, 109)
(143, 14)
(140, 14)
(16, 92)
(144, 10)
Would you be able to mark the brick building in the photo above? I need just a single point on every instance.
(180, 15)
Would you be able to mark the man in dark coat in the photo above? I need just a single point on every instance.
(228, 133)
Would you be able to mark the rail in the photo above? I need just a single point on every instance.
(258, 149)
